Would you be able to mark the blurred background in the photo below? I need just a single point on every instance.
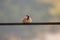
(38, 10)
(30, 32)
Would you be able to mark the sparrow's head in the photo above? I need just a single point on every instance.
(27, 17)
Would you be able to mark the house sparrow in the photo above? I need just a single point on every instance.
(27, 19)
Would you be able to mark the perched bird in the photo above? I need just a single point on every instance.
(27, 19)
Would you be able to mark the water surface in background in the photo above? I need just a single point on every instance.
(30, 32)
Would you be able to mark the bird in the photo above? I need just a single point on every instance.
(27, 19)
